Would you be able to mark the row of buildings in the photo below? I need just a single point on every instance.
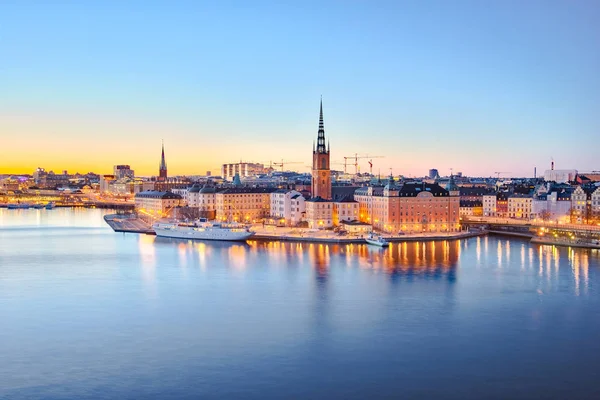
(391, 207)
(550, 201)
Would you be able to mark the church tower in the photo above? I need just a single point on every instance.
(162, 169)
(321, 174)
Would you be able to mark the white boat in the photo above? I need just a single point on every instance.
(377, 241)
(203, 230)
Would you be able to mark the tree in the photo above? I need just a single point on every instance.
(545, 215)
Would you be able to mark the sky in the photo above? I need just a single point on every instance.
(470, 86)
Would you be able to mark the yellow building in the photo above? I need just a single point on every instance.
(152, 205)
(243, 204)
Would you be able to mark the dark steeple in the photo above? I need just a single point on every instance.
(321, 136)
(162, 169)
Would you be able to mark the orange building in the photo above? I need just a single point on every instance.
(409, 207)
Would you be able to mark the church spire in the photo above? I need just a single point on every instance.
(321, 135)
(162, 169)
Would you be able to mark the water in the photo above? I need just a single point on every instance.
(86, 313)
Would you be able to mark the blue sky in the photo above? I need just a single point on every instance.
(470, 85)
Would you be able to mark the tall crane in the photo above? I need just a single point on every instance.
(283, 163)
(356, 157)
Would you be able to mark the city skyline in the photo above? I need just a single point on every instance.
(464, 86)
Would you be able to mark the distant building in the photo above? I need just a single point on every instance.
(243, 169)
(560, 175)
(433, 173)
(105, 181)
(123, 171)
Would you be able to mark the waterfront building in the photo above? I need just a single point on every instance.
(345, 210)
(555, 205)
(243, 204)
(582, 204)
(151, 205)
(162, 168)
(596, 205)
(502, 204)
(471, 208)
(519, 206)
(409, 207)
(9, 184)
(287, 207)
(123, 171)
(356, 227)
(243, 169)
(319, 213)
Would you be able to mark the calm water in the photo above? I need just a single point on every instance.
(86, 313)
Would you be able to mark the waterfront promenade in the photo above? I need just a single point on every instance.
(128, 224)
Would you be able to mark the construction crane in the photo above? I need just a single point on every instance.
(283, 163)
(500, 172)
(356, 157)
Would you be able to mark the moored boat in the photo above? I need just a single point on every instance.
(17, 206)
(377, 240)
(203, 230)
(50, 205)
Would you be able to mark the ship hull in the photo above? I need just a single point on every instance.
(235, 235)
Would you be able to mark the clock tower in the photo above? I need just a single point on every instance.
(321, 174)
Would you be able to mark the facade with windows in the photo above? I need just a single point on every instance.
(243, 204)
(409, 207)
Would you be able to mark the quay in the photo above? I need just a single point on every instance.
(129, 223)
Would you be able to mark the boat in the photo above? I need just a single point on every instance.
(50, 205)
(586, 244)
(203, 230)
(17, 206)
(377, 240)
(38, 206)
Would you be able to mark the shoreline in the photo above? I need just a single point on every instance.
(122, 224)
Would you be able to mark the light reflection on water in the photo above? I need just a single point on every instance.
(135, 316)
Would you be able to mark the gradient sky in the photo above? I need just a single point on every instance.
(477, 86)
